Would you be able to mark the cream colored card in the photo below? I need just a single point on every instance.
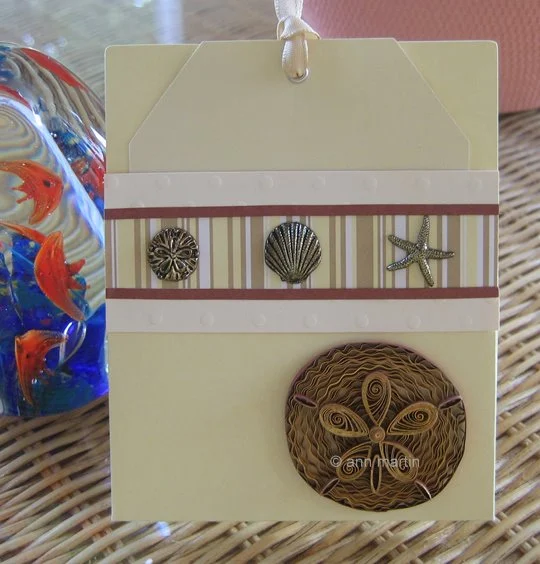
(198, 387)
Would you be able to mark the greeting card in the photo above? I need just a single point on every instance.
(302, 294)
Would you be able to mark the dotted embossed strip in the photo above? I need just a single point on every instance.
(153, 313)
(383, 187)
(355, 252)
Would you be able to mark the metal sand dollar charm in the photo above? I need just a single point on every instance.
(292, 251)
(173, 254)
(375, 426)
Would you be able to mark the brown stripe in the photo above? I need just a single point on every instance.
(116, 254)
(388, 249)
(109, 251)
(487, 244)
(172, 221)
(313, 294)
(438, 281)
(148, 238)
(392, 255)
(211, 258)
(364, 252)
(496, 259)
(137, 261)
(343, 252)
(257, 253)
(454, 237)
(230, 252)
(332, 239)
(326, 211)
(381, 229)
(243, 276)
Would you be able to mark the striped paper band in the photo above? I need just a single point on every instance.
(355, 250)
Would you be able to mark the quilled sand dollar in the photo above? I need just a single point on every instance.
(375, 426)
(173, 254)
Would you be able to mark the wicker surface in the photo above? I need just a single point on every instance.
(54, 480)
(54, 472)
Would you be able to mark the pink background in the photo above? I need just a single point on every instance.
(514, 24)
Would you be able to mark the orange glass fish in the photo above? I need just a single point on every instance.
(39, 184)
(30, 352)
(54, 275)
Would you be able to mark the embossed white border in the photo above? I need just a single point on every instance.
(305, 316)
(222, 189)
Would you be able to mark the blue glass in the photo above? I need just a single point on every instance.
(52, 282)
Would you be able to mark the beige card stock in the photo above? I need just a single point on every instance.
(197, 408)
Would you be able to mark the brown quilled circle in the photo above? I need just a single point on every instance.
(375, 426)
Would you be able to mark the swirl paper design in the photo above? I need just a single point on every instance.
(375, 427)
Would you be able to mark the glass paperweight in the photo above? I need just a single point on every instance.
(52, 296)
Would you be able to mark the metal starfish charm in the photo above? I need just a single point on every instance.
(418, 252)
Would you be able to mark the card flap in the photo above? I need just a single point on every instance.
(137, 75)
(464, 74)
(230, 104)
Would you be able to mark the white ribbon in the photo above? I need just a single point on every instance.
(295, 32)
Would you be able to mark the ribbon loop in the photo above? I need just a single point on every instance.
(295, 32)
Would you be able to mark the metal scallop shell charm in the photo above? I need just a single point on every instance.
(292, 251)
(173, 254)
